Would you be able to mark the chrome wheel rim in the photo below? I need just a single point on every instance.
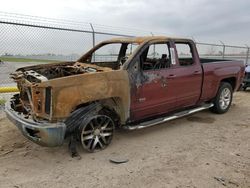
(225, 98)
(97, 133)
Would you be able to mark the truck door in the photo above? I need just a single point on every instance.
(154, 91)
(188, 75)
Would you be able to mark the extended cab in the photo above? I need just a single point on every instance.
(128, 82)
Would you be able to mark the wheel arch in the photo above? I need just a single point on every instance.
(231, 81)
(113, 105)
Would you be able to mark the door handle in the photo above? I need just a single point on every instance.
(171, 76)
(196, 72)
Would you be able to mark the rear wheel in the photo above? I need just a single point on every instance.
(96, 132)
(223, 99)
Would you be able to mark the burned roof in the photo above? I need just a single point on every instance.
(140, 40)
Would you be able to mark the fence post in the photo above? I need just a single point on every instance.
(93, 38)
(193, 39)
(247, 56)
(93, 33)
(224, 48)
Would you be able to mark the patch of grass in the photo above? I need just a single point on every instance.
(2, 101)
(27, 60)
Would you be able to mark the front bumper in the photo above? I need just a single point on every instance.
(42, 133)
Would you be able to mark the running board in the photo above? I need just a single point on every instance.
(167, 118)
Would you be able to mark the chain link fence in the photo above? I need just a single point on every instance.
(223, 51)
(28, 40)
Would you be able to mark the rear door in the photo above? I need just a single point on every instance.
(188, 75)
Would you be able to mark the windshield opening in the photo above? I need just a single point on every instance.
(112, 55)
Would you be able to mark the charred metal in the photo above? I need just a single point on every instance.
(88, 98)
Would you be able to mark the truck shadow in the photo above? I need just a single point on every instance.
(201, 117)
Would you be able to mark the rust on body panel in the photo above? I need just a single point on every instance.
(141, 40)
(70, 92)
(56, 100)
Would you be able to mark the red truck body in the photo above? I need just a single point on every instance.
(186, 86)
(162, 79)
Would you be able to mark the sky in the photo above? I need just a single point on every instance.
(203, 20)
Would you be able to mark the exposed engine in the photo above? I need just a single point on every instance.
(40, 74)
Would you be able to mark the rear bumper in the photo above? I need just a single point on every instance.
(246, 82)
(42, 133)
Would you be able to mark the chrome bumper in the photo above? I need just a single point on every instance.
(42, 133)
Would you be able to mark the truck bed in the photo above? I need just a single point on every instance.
(215, 70)
(207, 60)
(188, 61)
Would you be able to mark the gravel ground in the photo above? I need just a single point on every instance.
(202, 150)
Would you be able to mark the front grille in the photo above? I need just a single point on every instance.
(26, 97)
(47, 100)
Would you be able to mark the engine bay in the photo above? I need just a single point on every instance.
(40, 73)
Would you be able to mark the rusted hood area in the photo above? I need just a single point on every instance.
(69, 85)
(40, 73)
(70, 92)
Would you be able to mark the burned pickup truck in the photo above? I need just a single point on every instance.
(131, 83)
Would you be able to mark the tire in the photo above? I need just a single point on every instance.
(94, 128)
(96, 132)
(223, 99)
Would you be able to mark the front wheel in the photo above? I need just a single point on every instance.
(223, 99)
(96, 132)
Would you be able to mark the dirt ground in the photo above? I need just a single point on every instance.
(202, 150)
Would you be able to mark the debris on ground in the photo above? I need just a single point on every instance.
(118, 160)
(224, 182)
(221, 180)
